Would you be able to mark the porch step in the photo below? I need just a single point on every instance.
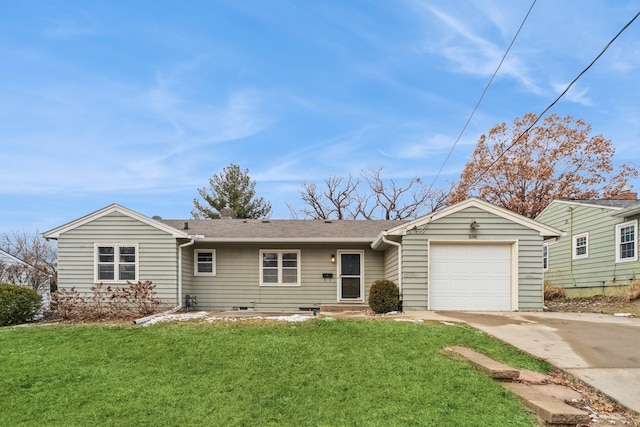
(343, 307)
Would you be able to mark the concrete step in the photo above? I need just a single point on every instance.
(551, 410)
(495, 369)
(545, 400)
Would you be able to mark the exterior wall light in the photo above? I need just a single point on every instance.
(333, 259)
(474, 225)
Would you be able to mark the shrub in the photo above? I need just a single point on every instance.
(18, 304)
(136, 300)
(551, 292)
(384, 296)
(632, 292)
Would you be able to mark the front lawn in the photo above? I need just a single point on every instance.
(317, 373)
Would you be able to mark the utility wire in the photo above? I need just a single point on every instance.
(555, 101)
(464, 128)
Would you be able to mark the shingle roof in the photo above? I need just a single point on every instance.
(608, 203)
(284, 230)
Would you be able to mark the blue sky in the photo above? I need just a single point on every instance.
(140, 102)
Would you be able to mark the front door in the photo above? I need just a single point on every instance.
(350, 276)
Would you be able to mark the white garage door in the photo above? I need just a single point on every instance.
(470, 277)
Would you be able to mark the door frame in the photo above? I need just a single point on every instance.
(339, 253)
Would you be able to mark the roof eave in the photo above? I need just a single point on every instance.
(364, 240)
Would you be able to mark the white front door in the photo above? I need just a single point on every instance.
(350, 275)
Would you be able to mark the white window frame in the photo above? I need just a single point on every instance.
(545, 257)
(619, 227)
(574, 246)
(280, 267)
(196, 262)
(116, 262)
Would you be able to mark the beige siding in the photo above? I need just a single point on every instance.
(237, 282)
(455, 227)
(156, 253)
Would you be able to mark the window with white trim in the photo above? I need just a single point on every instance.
(116, 262)
(627, 241)
(280, 267)
(581, 246)
(545, 257)
(204, 262)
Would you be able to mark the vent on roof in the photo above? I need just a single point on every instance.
(186, 226)
(156, 217)
(327, 221)
(265, 221)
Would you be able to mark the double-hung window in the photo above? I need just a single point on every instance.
(545, 257)
(581, 246)
(116, 262)
(627, 241)
(205, 262)
(280, 267)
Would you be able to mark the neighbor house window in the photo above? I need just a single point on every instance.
(545, 257)
(627, 241)
(116, 262)
(581, 246)
(205, 262)
(279, 267)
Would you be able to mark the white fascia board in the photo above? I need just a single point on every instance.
(56, 232)
(544, 230)
(630, 211)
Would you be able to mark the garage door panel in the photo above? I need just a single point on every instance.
(470, 277)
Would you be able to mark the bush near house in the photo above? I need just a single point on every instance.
(138, 299)
(384, 296)
(18, 304)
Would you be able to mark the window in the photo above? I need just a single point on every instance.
(280, 268)
(545, 257)
(581, 246)
(627, 241)
(116, 263)
(204, 262)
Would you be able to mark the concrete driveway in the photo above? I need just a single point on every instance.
(602, 350)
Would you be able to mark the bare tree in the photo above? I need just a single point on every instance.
(393, 201)
(557, 159)
(371, 197)
(35, 251)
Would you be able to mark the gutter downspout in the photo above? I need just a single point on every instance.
(573, 279)
(179, 306)
(399, 246)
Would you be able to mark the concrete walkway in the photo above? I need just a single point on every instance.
(602, 350)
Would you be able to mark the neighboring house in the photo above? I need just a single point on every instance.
(17, 272)
(469, 256)
(598, 252)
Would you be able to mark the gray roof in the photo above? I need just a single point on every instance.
(283, 229)
(607, 203)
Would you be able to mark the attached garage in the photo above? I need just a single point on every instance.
(465, 276)
(471, 256)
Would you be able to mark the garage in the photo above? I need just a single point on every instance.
(474, 277)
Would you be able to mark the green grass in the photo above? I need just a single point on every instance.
(319, 373)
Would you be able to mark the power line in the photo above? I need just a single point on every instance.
(464, 128)
(555, 101)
